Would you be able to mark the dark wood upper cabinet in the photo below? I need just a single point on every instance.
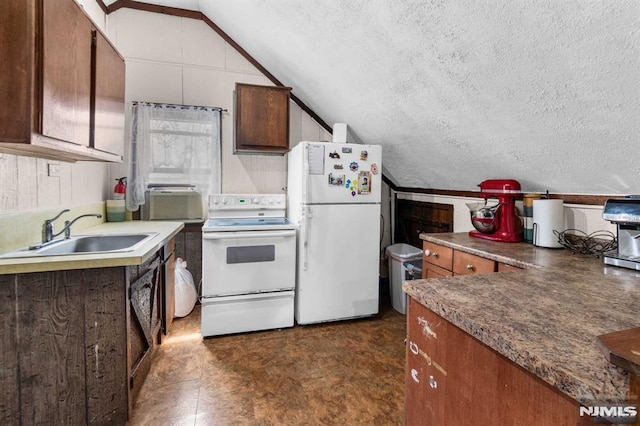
(108, 97)
(54, 87)
(262, 119)
(66, 76)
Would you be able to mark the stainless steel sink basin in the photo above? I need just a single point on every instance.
(87, 244)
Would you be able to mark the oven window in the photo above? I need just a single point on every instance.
(248, 254)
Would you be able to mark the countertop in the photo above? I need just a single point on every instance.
(165, 231)
(545, 318)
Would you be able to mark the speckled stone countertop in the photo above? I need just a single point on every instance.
(165, 231)
(545, 318)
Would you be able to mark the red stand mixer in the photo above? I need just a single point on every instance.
(498, 223)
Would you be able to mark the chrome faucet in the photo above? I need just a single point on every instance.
(47, 227)
(47, 230)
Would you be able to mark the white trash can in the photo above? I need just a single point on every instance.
(405, 263)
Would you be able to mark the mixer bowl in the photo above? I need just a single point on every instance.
(486, 226)
(483, 217)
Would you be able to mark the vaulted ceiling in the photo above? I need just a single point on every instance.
(459, 91)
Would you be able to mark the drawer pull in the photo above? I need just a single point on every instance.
(470, 267)
(434, 254)
(427, 252)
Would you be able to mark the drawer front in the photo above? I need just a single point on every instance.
(433, 271)
(466, 264)
(503, 267)
(437, 255)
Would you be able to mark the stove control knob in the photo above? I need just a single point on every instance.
(215, 200)
(255, 201)
(278, 201)
(225, 201)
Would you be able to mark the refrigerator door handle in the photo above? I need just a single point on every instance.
(306, 223)
(305, 177)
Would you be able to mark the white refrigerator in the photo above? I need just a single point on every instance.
(333, 197)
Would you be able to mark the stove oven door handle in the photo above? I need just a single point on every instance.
(243, 234)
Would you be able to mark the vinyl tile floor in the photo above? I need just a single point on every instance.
(339, 373)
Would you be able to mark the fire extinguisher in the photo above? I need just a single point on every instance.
(120, 189)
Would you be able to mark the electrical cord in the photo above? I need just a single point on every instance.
(596, 243)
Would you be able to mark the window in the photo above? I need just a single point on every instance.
(173, 145)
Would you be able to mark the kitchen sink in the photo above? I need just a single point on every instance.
(86, 244)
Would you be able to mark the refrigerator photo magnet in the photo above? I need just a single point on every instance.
(364, 180)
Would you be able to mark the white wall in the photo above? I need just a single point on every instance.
(183, 61)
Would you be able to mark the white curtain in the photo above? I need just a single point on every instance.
(173, 145)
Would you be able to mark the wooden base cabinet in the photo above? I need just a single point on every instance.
(454, 379)
(440, 262)
(78, 344)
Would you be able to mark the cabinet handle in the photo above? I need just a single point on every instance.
(470, 267)
(434, 254)
(427, 252)
(414, 375)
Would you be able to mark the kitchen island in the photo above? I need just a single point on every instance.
(543, 320)
(79, 331)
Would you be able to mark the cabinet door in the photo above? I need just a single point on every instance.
(262, 118)
(432, 271)
(466, 264)
(108, 101)
(144, 322)
(66, 73)
(15, 55)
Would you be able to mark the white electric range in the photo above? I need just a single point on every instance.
(248, 264)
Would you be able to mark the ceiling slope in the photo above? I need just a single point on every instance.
(463, 90)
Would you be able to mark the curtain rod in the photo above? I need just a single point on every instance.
(157, 104)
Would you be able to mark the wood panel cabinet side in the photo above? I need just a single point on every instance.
(193, 241)
(634, 393)
(169, 284)
(9, 395)
(131, 273)
(105, 342)
(483, 385)
(51, 347)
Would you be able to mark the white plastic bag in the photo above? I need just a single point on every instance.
(186, 293)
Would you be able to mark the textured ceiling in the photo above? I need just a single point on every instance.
(458, 91)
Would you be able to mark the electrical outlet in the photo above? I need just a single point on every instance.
(53, 170)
